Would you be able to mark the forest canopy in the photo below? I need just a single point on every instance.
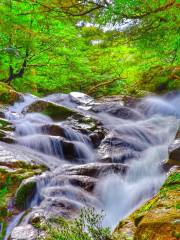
(100, 47)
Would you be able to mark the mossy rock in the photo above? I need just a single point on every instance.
(158, 218)
(7, 94)
(25, 194)
(50, 109)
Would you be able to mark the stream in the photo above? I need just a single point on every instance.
(106, 154)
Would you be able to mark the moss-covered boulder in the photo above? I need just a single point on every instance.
(11, 176)
(5, 124)
(157, 219)
(25, 194)
(50, 109)
(7, 94)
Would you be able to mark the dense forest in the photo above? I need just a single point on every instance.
(97, 47)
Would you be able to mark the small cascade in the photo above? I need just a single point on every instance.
(117, 175)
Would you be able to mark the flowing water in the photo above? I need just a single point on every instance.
(136, 140)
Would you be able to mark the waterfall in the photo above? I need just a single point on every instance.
(136, 139)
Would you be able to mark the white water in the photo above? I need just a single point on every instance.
(143, 143)
(122, 195)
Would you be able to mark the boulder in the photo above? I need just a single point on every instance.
(174, 155)
(25, 232)
(80, 98)
(6, 125)
(50, 109)
(25, 194)
(118, 111)
(96, 170)
(7, 94)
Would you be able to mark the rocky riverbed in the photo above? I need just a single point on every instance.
(64, 152)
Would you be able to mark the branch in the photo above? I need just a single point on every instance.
(94, 88)
(164, 7)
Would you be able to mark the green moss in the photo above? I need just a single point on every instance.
(7, 94)
(9, 182)
(173, 179)
(52, 110)
(57, 112)
(172, 183)
(24, 194)
(156, 216)
(178, 206)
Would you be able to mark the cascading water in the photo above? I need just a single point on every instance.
(138, 138)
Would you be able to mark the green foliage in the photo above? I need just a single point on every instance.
(86, 227)
(4, 191)
(43, 49)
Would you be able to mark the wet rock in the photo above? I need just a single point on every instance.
(123, 100)
(12, 155)
(174, 156)
(72, 193)
(6, 131)
(65, 132)
(119, 149)
(57, 146)
(89, 127)
(157, 218)
(2, 114)
(27, 232)
(63, 206)
(118, 111)
(25, 194)
(5, 124)
(7, 137)
(54, 130)
(96, 169)
(84, 182)
(53, 110)
(80, 98)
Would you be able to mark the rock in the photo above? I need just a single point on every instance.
(62, 207)
(7, 137)
(7, 94)
(174, 156)
(123, 100)
(119, 149)
(59, 147)
(84, 182)
(53, 110)
(2, 114)
(12, 155)
(54, 130)
(26, 232)
(118, 111)
(80, 98)
(89, 127)
(65, 132)
(25, 194)
(158, 218)
(96, 169)
(5, 124)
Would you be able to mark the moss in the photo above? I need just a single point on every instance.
(4, 124)
(11, 176)
(172, 183)
(7, 94)
(24, 195)
(156, 219)
(52, 110)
